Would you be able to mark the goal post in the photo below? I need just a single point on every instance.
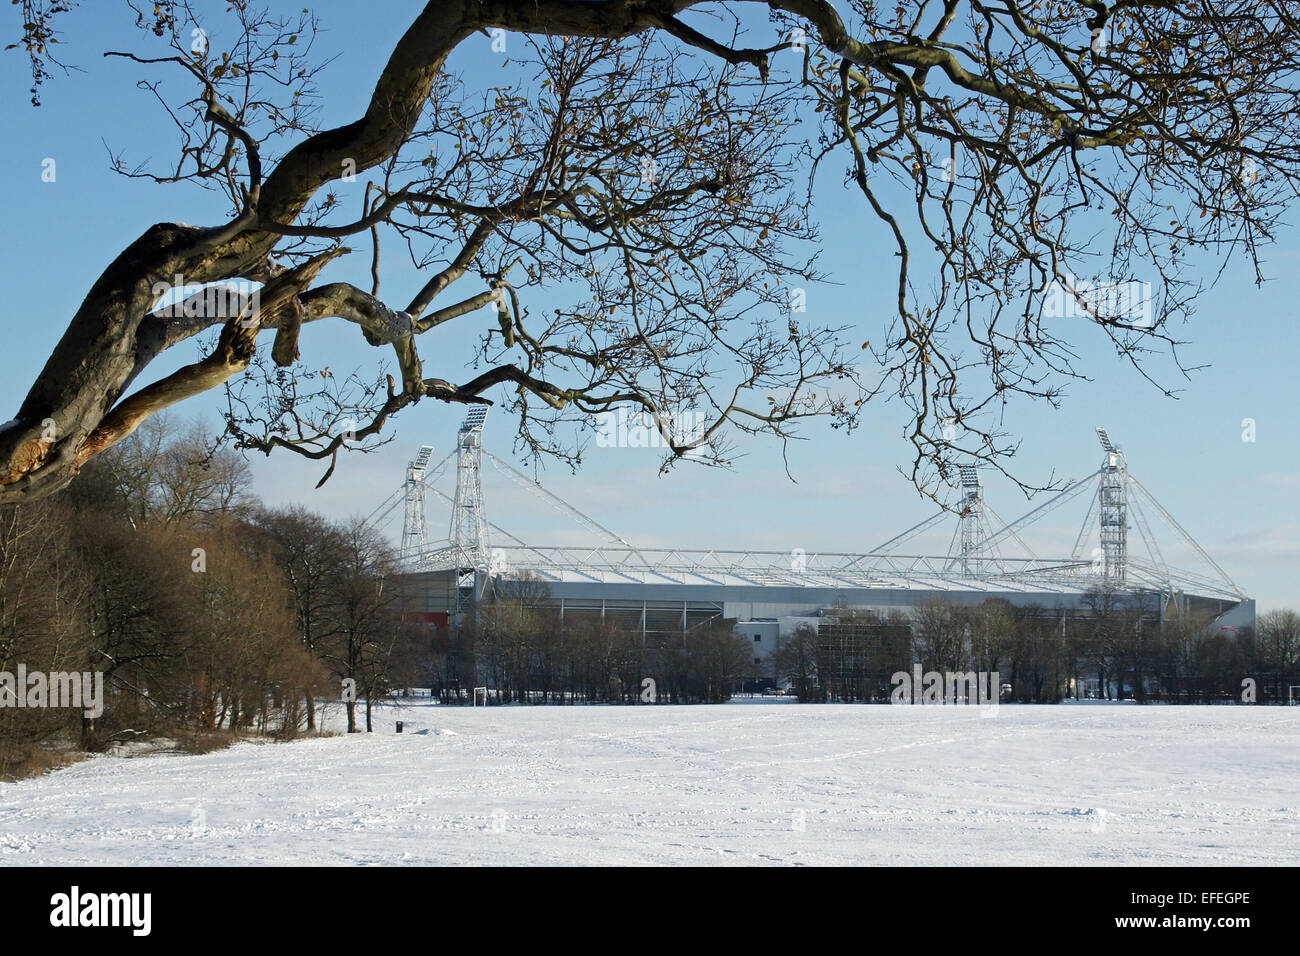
(480, 691)
(1293, 694)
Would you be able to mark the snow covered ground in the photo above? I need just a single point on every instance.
(748, 782)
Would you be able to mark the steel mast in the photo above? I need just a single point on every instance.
(414, 524)
(973, 531)
(468, 535)
(1112, 512)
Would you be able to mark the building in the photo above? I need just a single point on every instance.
(664, 593)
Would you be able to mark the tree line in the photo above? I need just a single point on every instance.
(1115, 646)
(517, 646)
(206, 613)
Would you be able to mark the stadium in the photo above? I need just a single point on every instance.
(768, 595)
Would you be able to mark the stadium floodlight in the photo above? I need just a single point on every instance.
(1105, 439)
(477, 415)
(969, 476)
(421, 460)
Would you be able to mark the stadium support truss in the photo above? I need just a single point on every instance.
(414, 523)
(983, 548)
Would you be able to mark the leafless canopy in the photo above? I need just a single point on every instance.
(653, 166)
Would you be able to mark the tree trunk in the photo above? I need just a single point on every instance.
(351, 706)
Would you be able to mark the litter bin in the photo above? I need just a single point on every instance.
(399, 726)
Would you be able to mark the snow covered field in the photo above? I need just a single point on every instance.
(748, 782)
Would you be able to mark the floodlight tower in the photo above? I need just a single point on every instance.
(468, 536)
(414, 537)
(1112, 511)
(972, 516)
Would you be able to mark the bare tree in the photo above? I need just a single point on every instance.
(311, 552)
(1103, 633)
(1042, 656)
(646, 153)
(166, 472)
(1185, 635)
(941, 642)
(365, 604)
(1139, 636)
(720, 661)
(516, 631)
(796, 661)
(41, 591)
(1279, 639)
(242, 648)
(602, 648)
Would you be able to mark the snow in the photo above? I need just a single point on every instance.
(766, 781)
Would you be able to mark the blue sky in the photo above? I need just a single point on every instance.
(1237, 498)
